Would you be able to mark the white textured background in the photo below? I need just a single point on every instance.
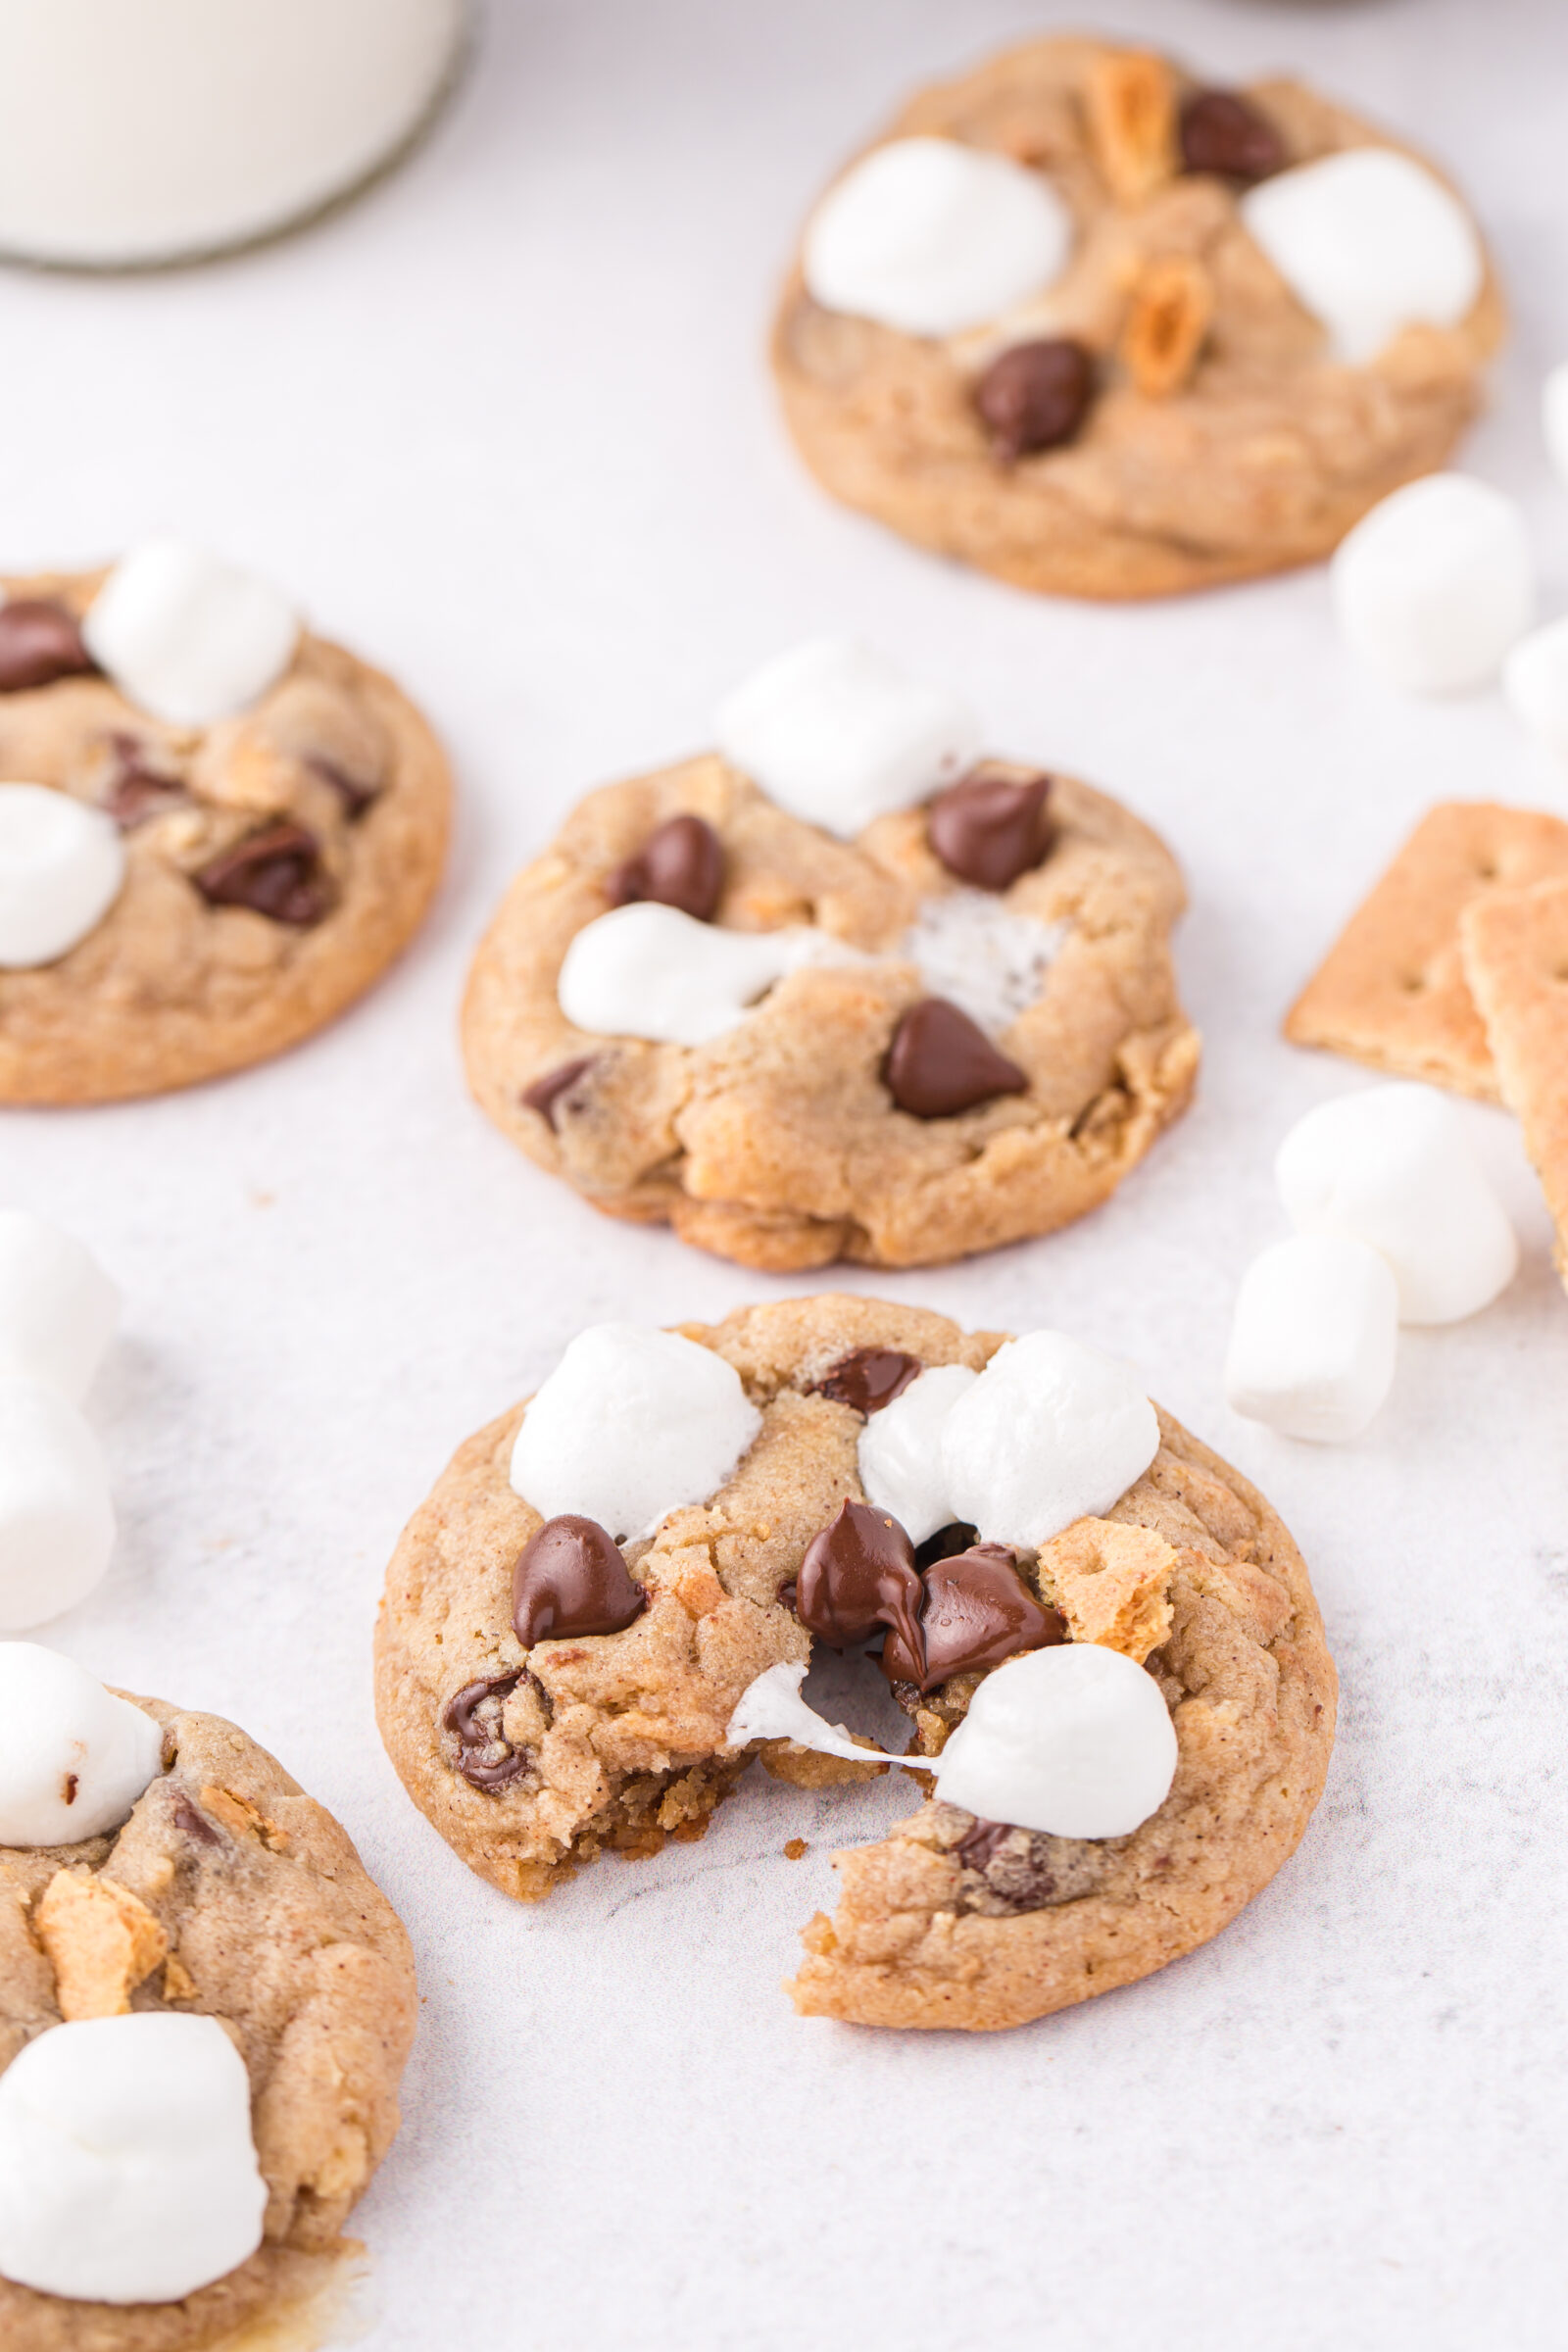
(505, 427)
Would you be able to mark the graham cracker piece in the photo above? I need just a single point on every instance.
(1515, 949)
(246, 1820)
(1112, 1584)
(1392, 991)
(101, 1940)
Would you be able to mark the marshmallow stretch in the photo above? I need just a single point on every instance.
(929, 237)
(189, 638)
(57, 1308)
(648, 970)
(62, 867)
(73, 1759)
(772, 1708)
(1433, 587)
(57, 1520)
(1314, 1338)
(127, 2170)
(631, 1424)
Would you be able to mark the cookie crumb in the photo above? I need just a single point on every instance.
(794, 1848)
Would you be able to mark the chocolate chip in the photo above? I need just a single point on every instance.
(680, 864)
(978, 1610)
(277, 871)
(976, 1849)
(39, 642)
(571, 1579)
(858, 1575)
(184, 1816)
(1224, 133)
(987, 830)
(72, 1782)
(546, 1092)
(940, 1064)
(475, 1715)
(1035, 396)
(868, 1378)
(946, 1544)
(355, 794)
(1026, 1870)
(137, 789)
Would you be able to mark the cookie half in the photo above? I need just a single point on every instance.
(1167, 379)
(275, 860)
(533, 1757)
(228, 1893)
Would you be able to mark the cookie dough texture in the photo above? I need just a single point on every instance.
(778, 1145)
(272, 1927)
(623, 1735)
(1262, 458)
(168, 989)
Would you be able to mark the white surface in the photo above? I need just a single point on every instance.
(186, 635)
(74, 1758)
(484, 456)
(1315, 1337)
(1075, 1740)
(1434, 586)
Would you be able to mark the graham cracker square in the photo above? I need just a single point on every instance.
(1515, 947)
(1392, 991)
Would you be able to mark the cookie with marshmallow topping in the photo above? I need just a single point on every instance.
(205, 2009)
(1114, 1666)
(217, 829)
(844, 988)
(1105, 329)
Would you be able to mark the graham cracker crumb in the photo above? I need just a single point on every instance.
(101, 1941)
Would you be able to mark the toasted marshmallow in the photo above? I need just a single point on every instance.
(187, 637)
(1434, 586)
(900, 1451)
(631, 1424)
(1314, 1338)
(1394, 1166)
(1075, 1740)
(1534, 682)
(1051, 1432)
(74, 1758)
(62, 867)
(932, 237)
(648, 970)
(771, 1708)
(1368, 241)
(127, 2170)
(838, 735)
(57, 1522)
(57, 1307)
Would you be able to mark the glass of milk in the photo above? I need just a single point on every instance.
(134, 131)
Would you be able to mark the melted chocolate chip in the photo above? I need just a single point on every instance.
(277, 871)
(184, 1816)
(680, 864)
(39, 642)
(988, 829)
(355, 794)
(474, 1714)
(946, 1544)
(857, 1576)
(940, 1064)
(1026, 1870)
(138, 789)
(1224, 133)
(976, 1849)
(868, 1378)
(1035, 396)
(546, 1092)
(571, 1579)
(978, 1610)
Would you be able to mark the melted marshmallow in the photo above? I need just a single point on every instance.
(1075, 1740)
(1314, 1338)
(772, 1708)
(62, 867)
(57, 1521)
(648, 970)
(982, 956)
(74, 1758)
(57, 1308)
(899, 1455)
(1434, 584)
(187, 637)
(1051, 1432)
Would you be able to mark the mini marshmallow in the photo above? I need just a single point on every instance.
(187, 637)
(931, 237)
(838, 735)
(1394, 1166)
(900, 1451)
(772, 1708)
(982, 956)
(127, 2170)
(1075, 1740)
(631, 1424)
(57, 1307)
(648, 970)
(1314, 1338)
(57, 1522)
(1534, 682)
(1433, 587)
(1554, 418)
(74, 1758)
(62, 867)
(1051, 1432)
(1369, 242)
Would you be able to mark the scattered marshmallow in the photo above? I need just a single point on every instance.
(631, 1424)
(1369, 242)
(189, 638)
(1314, 1337)
(74, 1758)
(57, 1522)
(772, 1708)
(1554, 418)
(1394, 1167)
(1534, 682)
(900, 1451)
(648, 970)
(1051, 1432)
(931, 237)
(1075, 1740)
(1434, 584)
(982, 956)
(127, 2170)
(62, 867)
(57, 1307)
(838, 735)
